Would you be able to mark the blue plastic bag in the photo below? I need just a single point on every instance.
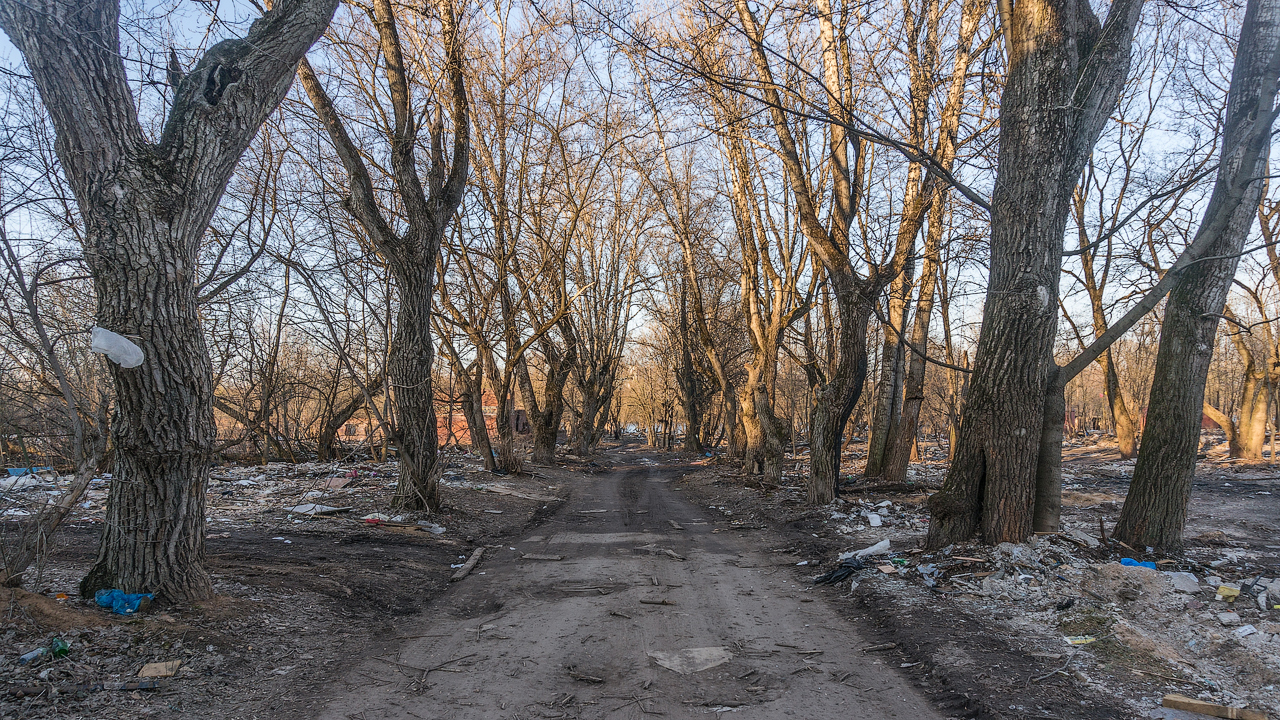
(121, 602)
(1130, 562)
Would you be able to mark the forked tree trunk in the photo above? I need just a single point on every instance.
(145, 208)
(545, 417)
(412, 255)
(1155, 510)
(325, 444)
(473, 410)
(1060, 58)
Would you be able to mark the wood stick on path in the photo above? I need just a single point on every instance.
(468, 566)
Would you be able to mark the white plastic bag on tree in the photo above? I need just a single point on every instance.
(117, 347)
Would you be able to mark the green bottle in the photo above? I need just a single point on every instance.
(59, 648)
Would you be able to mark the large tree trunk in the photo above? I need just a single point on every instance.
(1155, 510)
(833, 400)
(145, 207)
(1065, 74)
(409, 365)
(1251, 429)
(764, 445)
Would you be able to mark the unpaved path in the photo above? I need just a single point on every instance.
(530, 638)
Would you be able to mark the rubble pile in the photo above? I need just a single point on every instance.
(1211, 630)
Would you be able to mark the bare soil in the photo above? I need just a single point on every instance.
(662, 557)
(989, 635)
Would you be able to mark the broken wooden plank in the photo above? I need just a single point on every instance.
(502, 490)
(1182, 702)
(536, 556)
(656, 602)
(468, 566)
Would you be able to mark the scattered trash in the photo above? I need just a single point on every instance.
(122, 603)
(848, 566)
(120, 349)
(930, 573)
(874, 520)
(33, 655)
(1182, 702)
(61, 648)
(802, 563)
(431, 527)
(1228, 593)
(313, 509)
(1130, 562)
(494, 512)
(1080, 639)
(879, 548)
(168, 668)
(22, 482)
(691, 660)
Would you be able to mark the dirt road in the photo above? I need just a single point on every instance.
(582, 637)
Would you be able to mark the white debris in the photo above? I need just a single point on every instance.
(879, 548)
(120, 349)
(691, 660)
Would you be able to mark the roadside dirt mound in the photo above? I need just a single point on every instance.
(46, 613)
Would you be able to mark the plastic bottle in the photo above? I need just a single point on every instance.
(33, 655)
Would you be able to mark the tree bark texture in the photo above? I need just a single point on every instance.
(1155, 510)
(1065, 74)
(145, 208)
(889, 390)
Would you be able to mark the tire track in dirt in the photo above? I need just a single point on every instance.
(644, 574)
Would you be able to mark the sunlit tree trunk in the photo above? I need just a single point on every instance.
(1155, 509)
(1061, 57)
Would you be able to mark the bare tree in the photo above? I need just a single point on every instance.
(1154, 512)
(1066, 71)
(410, 246)
(145, 206)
